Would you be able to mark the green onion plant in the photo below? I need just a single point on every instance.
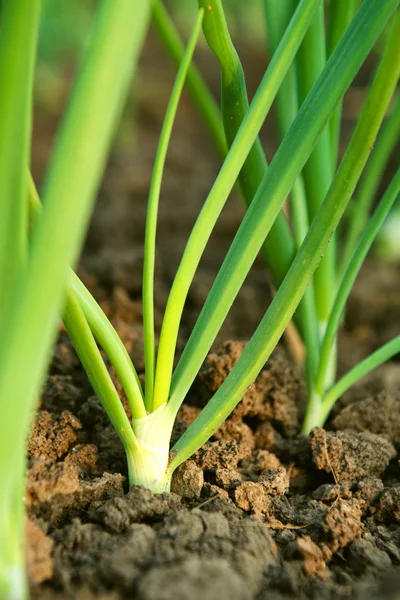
(314, 59)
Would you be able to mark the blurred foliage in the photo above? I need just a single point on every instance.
(64, 30)
(245, 18)
(64, 27)
(65, 24)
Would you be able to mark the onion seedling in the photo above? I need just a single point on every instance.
(147, 438)
(41, 284)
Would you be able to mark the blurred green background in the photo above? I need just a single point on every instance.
(66, 25)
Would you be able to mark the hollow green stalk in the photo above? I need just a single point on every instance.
(279, 178)
(277, 18)
(358, 215)
(57, 235)
(318, 172)
(218, 195)
(152, 213)
(92, 361)
(18, 39)
(289, 294)
(200, 93)
(196, 85)
(340, 14)
(367, 129)
(350, 275)
(112, 345)
(279, 246)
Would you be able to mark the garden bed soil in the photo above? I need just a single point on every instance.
(260, 512)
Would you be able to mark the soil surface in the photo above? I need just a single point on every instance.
(260, 512)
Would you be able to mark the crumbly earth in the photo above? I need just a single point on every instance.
(259, 512)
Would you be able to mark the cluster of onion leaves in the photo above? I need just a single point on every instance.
(309, 72)
(320, 311)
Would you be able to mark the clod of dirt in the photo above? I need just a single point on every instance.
(118, 514)
(103, 435)
(228, 478)
(261, 460)
(267, 437)
(84, 456)
(188, 480)
(275, 481)
(341, 525)
(244, 542)
(87, 553)
(367, 491)
(38, 553)
(52, 435)
(388, 509)
(143, 534)
(54, 491)
(296, 450)
(252, 497)
(296, 511)
(274, 396)
(47, 480)
(364, 557)
(350, 456)
(100, 489)
(212, 492)
(378, 414)
(237, 431)
(84, 593)
(194, 578)
(332, 527)
(329, 492)
(312, 555)
(221, 454)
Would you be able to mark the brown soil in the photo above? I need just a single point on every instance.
(260, 512)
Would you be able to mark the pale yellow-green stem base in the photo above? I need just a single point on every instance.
(313, 413)
(148, 461)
